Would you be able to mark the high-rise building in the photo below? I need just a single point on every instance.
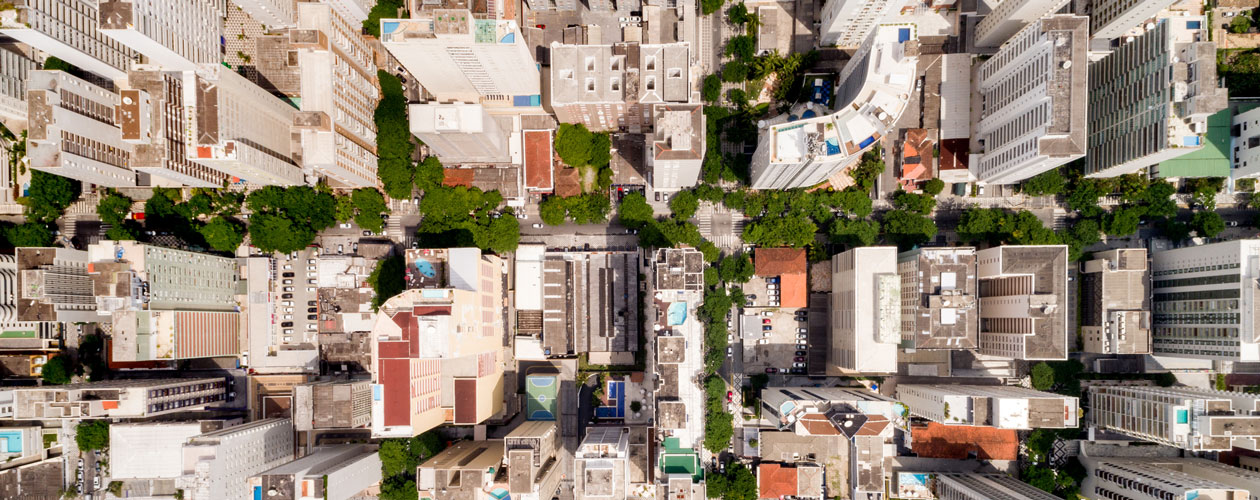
(1033, 101)
(219, 464)
(1116, 302)
(530, 456)
(1023, 301)
(809, 151)
(865, 310)
(141, 398)
(1010, 16)
(177, 35)
(339, 94)
(437, 353)
(356, 11)
(846, 23)
(1113, 18)
(980, 486)
(53, 285)
(274, 14)
(67, 29)
(542, 5)
(938, 298)
(155, 450)
(462, 133)
(1190, 418)
(1202, 298)
(1150, 98)
(16, 334)
(601, 463)
(614, 87)
(152, 118)
(1001, 406)
(461, 470)
(166, 304)
(332, 404)
(1160, 478)
(338, 472)
(676, 146)
(15, 68)
(237, 128)
(72, 131)
(456, 57)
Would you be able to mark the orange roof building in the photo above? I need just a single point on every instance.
(775, 481)
(963, 441)
(790, 265)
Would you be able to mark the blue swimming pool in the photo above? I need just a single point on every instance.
(11, 441)
(425, 268)
(677, 313)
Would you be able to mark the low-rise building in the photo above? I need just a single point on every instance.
(1116, 302)
(676, 146)
(791, 268)
(590, 305)
(965, 486)
(332, 404)
(1156, 478)
(601, 463)
(1004, 407)
(530, 454)
(117, 398)
(615, 87)
(463, 471)
(154, 450)
(339, 472)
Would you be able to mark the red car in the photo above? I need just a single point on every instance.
(765, 321)
(730, 396)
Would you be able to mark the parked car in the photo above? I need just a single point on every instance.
(771, 286)
(763, 341)
(730, 352)
(288, 289)
(312, 317)
(802, 330)
(774, 280)
(801, 353)
(310, 302)
(287, 282)
(767, 327)
(345, 225)
(537, 225)
(287, 275)
(730, 396)
(286, 324)
(522, 216)
(286, 296)
(367, 233)
(765, 321)
(802, 336)
(311, 310)
(767, 314)
(798, 365)
(799, 358)
(772, 370)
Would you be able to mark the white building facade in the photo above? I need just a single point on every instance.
(1204, 301)
(1001, 406)
(175, 34)
(1010, 16)
(675, 149)
(1190, 418)
(67, 29)
(1159, 478)
(460, 132)
(72, 131)
(846, 23)
(865, 310)
(1033, 101)
(1110, 19)
(15, 68)
(979, 486)
(219, 464)
(273, 14)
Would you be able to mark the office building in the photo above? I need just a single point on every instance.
(865, 310)
(811, 150)
(155, 450)
(15, 68)
(238, 128)
(676, 146)
(219, 464)
(118, 398)
(792, 407)
(1009, 17)
(530, 456)
(975, 486)
(152, 118)
(590, 305)
(601, 463)
(338, 472)
(274, 14)
(54, 286)
(1202, 298)
(1110, 19)
(67, 30)
(461, 133)
(165, 304)
(614, 87)
(1033, 101)
(1116, 302)
(1159, 478)
(1001, 406)
(1149, 99)
(437, 353)
(177, 35)
(939, 309)
(1023, 301)
(339, 95)
(846, 23)
(1190, 418)
(462, 471)
(72, 131)
(355, 11)
(332, 404)
(456, 57)
(543, 5)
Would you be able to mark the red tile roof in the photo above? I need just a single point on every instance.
(790, 265)
(816, 424)
(954, 154)
(395, 376)
(202, 334)
(538, 160)
(452, 177)
(957, 441)
(875, 424)
(776, 481)
(465, 401)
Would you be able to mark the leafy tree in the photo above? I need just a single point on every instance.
(1207, 224)
(113, 209)
(918, 203)
(57, 370)
(384, 9)
(1173, 229)
(908, 229)
(718, 424)
(854, 232)
(92, 435)
(737, 97)
(49, 196)
(128, 230)
(715, 486)
(684, 204)
(741, 47)
(1133, 186)
(29, 234)
(854, 201)
(634, 211)
(430, 173)
(601, 153)
(1050, 182)
(711, 90)
(780, 231)
(574, 144)
(388, 279)
(396, 176)
(1042, 376)
(223, 234)
(590, 208)
(1239, 24)
(735, 71)
(737, 14)
(979, 224)
(393, 133)
(501, 236)
(869, 168)
(552, 210)
(1084, 197)
(288, 219)
(1205, 190)
(273, 233)
(345, 209)
(398, 488)
(53, 63)
(370, 204)
(710, 6)
(711, 277)
(709, 250)
(736, 268)
(604, 179)
(1123, 221)
(115, 488)
(742, 484)
(1158, 199)
(934, 186)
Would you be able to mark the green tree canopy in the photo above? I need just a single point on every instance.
(113, 209)
(393, 133)
(736, 268)
(388, 279)
(57, 370)
(780, 231)
(223, 234)
(1042, 376)
(634, 211)
(908, 229)
(741, 47)
(684, 204)
(934, 186)
(921, 204)
(29, 234)
(869, 168)
(711, 90)
(735, 71)
(430, 173)
(552, 211)
(92, 435)
(48, 196)
(369, 205)
(574, 144)
(854, 232)
(1050, 182)
(1207, 224)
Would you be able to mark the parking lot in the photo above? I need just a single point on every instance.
(774, 339)
(761, 292)
(295, 319)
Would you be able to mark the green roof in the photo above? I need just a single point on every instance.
(1210, 161)
(678, 460)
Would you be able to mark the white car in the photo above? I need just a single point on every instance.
(537, 226)
(763, 341)
(522, 216)
(345, 225)
(767, 314)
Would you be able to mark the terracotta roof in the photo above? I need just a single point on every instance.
(793, 291)
(452, 177)
(874, 426)
(957, 441)
(954, 154)
(779, 261)
(395, 377)
(776, 481)
(465, 401)
(568, 181)
(816, 424)
(538, 160)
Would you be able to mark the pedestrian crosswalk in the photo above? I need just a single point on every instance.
(721, 227)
